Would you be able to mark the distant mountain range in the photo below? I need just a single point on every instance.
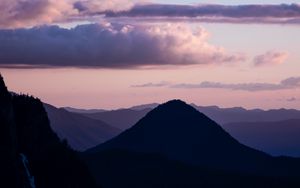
(122, 118)
(267, 130)
(179, 136)
(80, 131)
(83, 111)
(128, 117)
(276, 138)
(238, 114)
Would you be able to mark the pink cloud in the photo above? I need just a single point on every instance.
(271, 58)
(28, 13)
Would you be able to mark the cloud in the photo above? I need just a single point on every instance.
(283, 13)
(292, 99)
(28, 13)
(101, 7)
(150, 84)
(109, 45)
(270, 58)
(289, 83)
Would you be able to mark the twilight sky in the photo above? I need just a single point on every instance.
(119, 53)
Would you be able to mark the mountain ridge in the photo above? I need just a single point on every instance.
(200, 142)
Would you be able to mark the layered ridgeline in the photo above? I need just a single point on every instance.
(80, 131)
(32, 156)
(174, 140)
(273, 131)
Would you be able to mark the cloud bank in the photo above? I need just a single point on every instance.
(289, 83)
(283, 13)
(29, 13)
(109, 45)
(270, 58)
(25, 13)
(150, 84)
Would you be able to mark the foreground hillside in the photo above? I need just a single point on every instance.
(32, 156)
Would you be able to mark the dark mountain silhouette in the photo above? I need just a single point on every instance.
(80, 131)
(125, 118)
(119, 168)
(31, 153)
(83, 111)
(174, 145)
(122, 118)
(276, 138)
(180, 132)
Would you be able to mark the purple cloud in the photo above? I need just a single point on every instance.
(270, 58)
(283, 13)
(109, 45)
(29, 13)
(292, 99)
(150, 84)
(289, 83)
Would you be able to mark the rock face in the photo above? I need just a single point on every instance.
(26, 133)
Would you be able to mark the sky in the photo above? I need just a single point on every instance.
(120, 53)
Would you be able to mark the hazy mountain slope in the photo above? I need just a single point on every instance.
(144, 106)
(277, 138)
(230, 115)
(80, 131)
(83, 111)
(122, 118)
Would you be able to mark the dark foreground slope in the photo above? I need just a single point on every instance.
(185, 138)
(31, 153)
(80, 131)
(119, 168)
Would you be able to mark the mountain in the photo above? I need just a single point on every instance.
(122, 118)
(31, 153)
(238, 114)
(276, 138)
(125, 118)
(175, 145)
(80, 131)
(144, 106)
(83, 111)
(119, 168)
(180, 132)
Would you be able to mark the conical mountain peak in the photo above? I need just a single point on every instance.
(180, 132)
